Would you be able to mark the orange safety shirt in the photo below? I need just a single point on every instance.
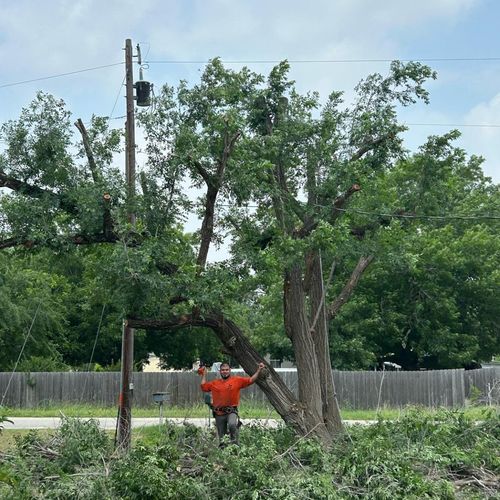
(226, 392)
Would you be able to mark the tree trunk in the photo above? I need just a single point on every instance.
(297, 328)
(319, 331)
(207, 228)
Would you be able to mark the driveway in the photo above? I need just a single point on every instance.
(109, 423)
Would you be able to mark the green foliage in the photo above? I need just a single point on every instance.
(63, 465)
(4, 419)
(427, 301)
(419, 455)
(43, 364)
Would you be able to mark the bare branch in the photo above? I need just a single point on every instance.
(88, 150)
(229, 144)
(349, 287)
(341, 200)
(107, 219)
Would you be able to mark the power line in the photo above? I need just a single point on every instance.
(116, 100)
(20, 353)
(93, 350)
(330, 61)
(263, 61)
(458, 125)
(396, 216)
(59, 75)
(414, 216)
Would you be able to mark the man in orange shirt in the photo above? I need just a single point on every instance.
(226, 397)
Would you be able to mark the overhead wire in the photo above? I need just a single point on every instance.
(92, 353)
(397, 216)
(457, 125)
(4, 85)
(116, 100)
(20, 354)
(273, 61)
(324, 61)
(415, 216)
(261, 61)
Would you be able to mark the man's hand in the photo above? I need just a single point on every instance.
(203, 370)
(255, 376)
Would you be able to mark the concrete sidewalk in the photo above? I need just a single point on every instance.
(109, 423)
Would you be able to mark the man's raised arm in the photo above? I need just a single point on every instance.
(255, 376)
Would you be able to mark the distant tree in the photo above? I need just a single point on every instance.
(429, 301)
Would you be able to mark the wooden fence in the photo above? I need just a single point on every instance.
(355, 389)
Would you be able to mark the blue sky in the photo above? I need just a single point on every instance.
(39, 39)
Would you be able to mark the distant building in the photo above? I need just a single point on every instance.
(153, 365)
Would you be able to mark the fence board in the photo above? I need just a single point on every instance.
(354, 389)
(483, 385)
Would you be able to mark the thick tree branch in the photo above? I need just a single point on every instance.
(207, 228)
(108, 234)
(342, 199)
(13, 242)
(229, 143)
(214, 182)
(349, 287)
(88, 150)
(369, 146)
(76, 239)
(24, 188)
(107, 219)
(383, 220)
(201, 170)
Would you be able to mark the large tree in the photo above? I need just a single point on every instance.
(429, 300)
(276, 171)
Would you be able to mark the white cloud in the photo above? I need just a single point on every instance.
(484, 141)
(56, 36)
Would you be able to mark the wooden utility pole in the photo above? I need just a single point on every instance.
(127, 360)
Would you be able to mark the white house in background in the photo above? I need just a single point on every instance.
(153, 365)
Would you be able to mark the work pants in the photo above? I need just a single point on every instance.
(225, 423)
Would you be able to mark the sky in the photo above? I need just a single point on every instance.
(41, 39)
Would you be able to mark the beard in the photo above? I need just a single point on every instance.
(225, 376)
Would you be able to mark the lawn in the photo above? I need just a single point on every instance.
(247, 410)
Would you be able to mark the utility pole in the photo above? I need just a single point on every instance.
(127, 359)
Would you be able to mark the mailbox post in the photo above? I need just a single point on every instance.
(159, 398)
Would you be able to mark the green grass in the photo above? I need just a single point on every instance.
(8, 436)
(247, 410)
